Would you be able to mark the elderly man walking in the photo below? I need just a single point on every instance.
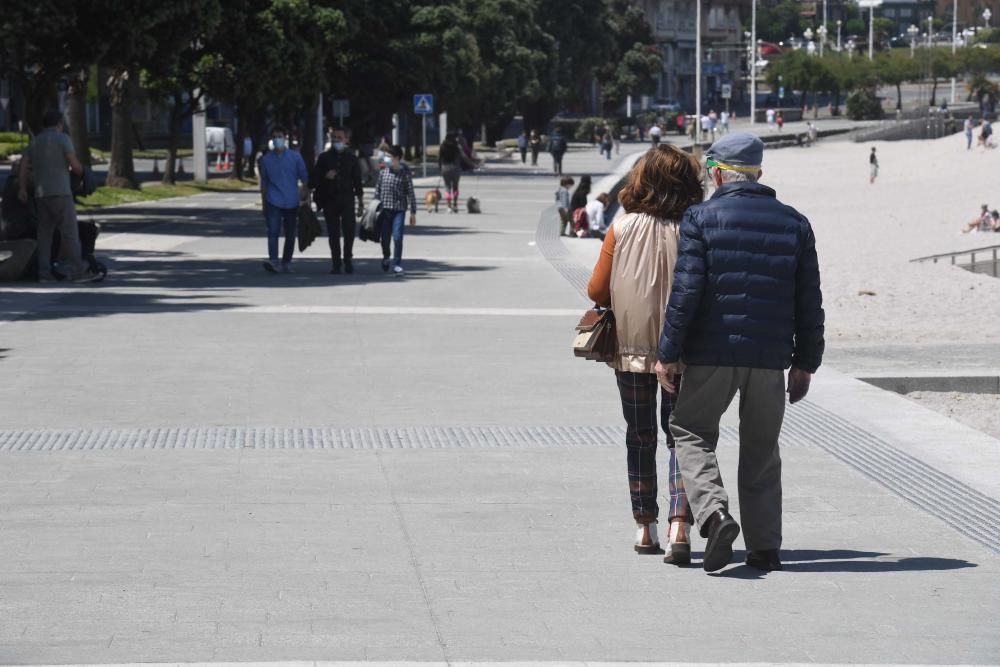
(745, 305)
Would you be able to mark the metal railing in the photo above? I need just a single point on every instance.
(981, 260)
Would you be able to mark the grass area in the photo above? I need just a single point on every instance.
(8, 148)
(105, 196)
(160, 153)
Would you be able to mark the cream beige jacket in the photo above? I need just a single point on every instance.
(642, 272)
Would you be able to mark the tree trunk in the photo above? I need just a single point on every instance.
(77, 114)
(308, 147)
(933, 90)
(121, 168)
(899, 97)
(173, 138)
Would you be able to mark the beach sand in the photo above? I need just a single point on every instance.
(980, 411)
(866, 235)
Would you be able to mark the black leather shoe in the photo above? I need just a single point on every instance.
(348, 266)
(336, 268)
(721, 530)
(767, 560)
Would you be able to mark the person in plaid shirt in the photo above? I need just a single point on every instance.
(394, 189)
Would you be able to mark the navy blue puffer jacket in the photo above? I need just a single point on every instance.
(746, 285)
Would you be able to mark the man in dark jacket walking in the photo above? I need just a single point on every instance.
(745, 305)
(336, 180)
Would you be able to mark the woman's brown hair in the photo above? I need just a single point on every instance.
(663, 183)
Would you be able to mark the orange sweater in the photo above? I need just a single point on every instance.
(599, 287)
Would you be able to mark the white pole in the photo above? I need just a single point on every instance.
(423, 150)
(318, 142)
(871, 33)
(697, 73)
(822, 38)
(628, 106)
(753, 63)
(200, 152)
(954, 36)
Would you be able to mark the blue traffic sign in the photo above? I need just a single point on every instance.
(423, 103)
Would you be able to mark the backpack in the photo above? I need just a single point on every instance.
(580, 219)
(559, 144)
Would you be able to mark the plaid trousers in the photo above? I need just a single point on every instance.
(638, 393)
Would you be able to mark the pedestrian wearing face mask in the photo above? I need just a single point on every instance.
(394, 189)
(281, 171)
(338, 191)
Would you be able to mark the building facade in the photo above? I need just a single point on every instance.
(724, 49)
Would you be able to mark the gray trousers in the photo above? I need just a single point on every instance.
(58, 213)
(705, 394)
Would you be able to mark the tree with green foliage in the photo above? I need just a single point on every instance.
(894, 68)
(777, 20)
(634, 61)
(277, 65)
(800, 71)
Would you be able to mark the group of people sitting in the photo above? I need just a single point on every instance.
(578, 216)
(986, 221)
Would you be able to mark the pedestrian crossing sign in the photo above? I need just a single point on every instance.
(423, 103)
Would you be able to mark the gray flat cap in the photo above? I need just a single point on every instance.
(740, 150)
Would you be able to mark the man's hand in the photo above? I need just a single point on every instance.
(22, 194)
(667, 375)
(798, 384)
(413, 219)
(330, 175)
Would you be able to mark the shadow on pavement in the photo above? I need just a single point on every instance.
(844, 560)
(164, 283)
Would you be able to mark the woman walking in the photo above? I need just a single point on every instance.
(452, 159)
(394, 189)
(633, 276)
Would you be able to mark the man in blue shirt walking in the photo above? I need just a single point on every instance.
(281, 172)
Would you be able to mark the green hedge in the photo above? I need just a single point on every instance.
(864, 104)
(13, 138)
(9, 148)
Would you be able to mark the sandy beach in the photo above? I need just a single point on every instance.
(866, 235)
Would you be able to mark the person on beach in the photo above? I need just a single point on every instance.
(780, 120)
(986, 134)
(724, 122)
(563, 205)
(745, 305)
(633, 276)
(967, 128)
(983, 222)
(338, 191)
(872, 166)
(580, 195)
(770, 119)
(394, 189)
(522, 146)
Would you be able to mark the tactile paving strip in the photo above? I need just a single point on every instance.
(965, 509)
(550, 245)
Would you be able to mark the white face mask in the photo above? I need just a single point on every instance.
(279, 143)
(387, 160)
(339, 146)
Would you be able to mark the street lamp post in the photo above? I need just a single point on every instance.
(871, 32)
(986, 17)
(753, 62)
(822, 31)
(697, 73)
(810, 47)
(838, 34)
(954, 38)
(913, 31)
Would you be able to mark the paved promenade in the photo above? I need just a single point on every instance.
(203, 462)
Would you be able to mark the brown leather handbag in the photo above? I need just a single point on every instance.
(596, 338)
